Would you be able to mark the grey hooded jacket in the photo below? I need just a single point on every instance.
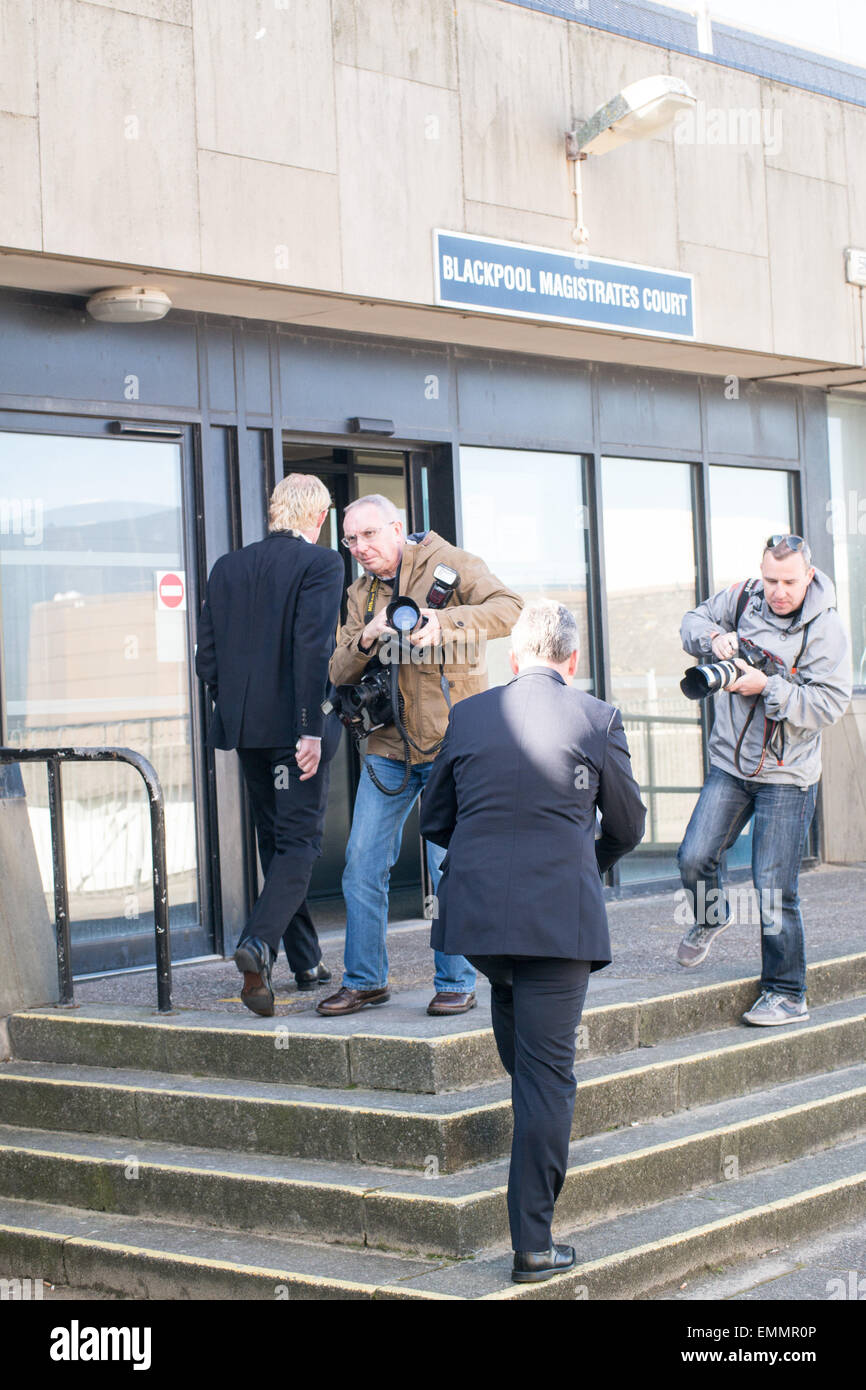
(812, 698)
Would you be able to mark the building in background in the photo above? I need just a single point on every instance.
(365, 229)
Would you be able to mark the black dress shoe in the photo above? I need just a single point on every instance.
(531, 1266)
(309, 979)
(254, 959)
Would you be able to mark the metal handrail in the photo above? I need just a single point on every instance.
(53, 758)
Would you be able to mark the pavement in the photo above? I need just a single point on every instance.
(645, 932)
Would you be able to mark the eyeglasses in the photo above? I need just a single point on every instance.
(350, 542)
(792, 542)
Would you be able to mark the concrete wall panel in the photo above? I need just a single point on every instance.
(515, 104)
(18, 57)
(743, 315)
(854, 122)
(264, 81)
(399, 178)
(813, 308)
(289, 233)
(20, 210)
(117, 136)
(403, 38)
(720, 195)
(174, 11)
(803, 132)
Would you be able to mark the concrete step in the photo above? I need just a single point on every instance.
(625, 1258)
(397, 1047)
(449, 1215)
(445, 1130)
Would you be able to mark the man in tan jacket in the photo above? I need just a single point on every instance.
(447, 655)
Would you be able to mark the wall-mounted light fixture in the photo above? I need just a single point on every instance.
(364, 424)
(129, 304)
(639, 110)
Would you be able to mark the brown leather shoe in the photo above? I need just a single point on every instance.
(349, 1001)
(450, 1002)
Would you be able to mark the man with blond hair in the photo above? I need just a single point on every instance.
(265, 636)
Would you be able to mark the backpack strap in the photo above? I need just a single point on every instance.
(747, 588)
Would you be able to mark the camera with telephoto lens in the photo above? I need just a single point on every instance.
(701, 681)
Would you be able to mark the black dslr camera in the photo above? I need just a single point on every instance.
(366, 706)
(701, 681)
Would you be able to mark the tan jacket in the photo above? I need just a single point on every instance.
(481, 608)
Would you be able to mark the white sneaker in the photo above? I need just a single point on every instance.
(772, 1009)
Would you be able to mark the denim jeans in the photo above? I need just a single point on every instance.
(783, 814)
(374, 844)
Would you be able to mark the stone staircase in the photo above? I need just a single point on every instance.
(222, 1156)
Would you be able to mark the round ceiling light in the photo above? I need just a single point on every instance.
(129, 304)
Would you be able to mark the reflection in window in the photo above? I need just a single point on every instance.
(524, 514)
(746, 506)
(650, 582)
(95, 652)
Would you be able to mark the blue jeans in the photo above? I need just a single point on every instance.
(783, 814)
(374, 844)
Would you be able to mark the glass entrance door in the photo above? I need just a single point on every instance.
(349, 474)
(651, 580)
(95, 650)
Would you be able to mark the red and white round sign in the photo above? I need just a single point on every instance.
(170, 589)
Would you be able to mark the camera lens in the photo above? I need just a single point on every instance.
(701, 681)
(403, 615)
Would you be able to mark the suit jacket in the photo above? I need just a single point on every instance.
(513, 795)
(265, 636)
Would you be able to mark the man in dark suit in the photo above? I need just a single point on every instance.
(265, 636)
(513, 795)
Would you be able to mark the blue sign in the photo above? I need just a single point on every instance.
(507, 277)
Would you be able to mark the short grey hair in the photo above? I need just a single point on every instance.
(546, 629)
(375, 499)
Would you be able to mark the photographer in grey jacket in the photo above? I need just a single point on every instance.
(777, 655)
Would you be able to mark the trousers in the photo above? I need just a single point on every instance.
(289, 817)
(536, 1003)
(782, 815)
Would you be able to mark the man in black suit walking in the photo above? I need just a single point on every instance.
(265, 636)
(513, 795)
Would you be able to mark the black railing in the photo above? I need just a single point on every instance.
(53, 758)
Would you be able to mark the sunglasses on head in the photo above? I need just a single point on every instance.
(792, 542)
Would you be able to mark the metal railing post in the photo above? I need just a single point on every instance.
(61, 891)
(53, 757)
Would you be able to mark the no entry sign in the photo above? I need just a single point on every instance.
(171, 590)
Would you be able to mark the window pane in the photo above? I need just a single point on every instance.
(95, 651)
(746, 506)
(524, 514)
(650, 580)
(846, 421)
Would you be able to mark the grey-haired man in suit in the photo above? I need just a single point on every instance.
(513, 795)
